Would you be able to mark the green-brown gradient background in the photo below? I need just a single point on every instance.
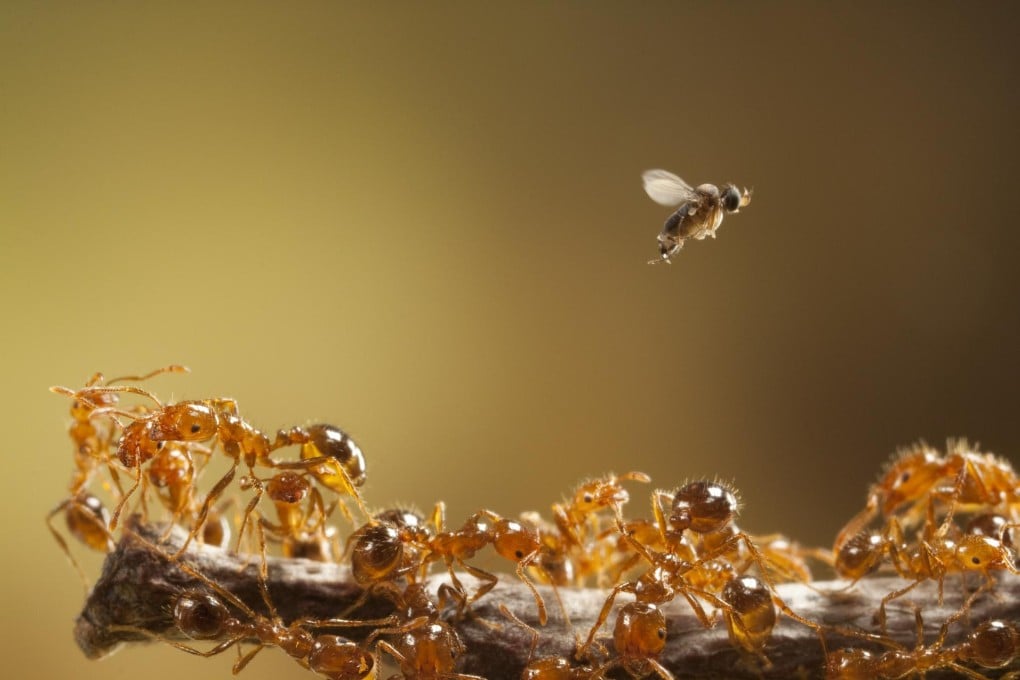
(425, 223)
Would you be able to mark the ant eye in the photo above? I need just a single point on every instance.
(975, 560)
(588, 498)
(662, 633)
(519, 554)
(904, 477)
(195, 428)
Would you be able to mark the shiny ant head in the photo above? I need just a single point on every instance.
(640, 631)
(186, 421)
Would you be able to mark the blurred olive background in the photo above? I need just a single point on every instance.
(425, 223)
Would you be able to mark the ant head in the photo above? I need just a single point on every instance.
(187, 421)
(513, 540)
(640, 631)
(981, 553)
(289, 488)
(911, 475)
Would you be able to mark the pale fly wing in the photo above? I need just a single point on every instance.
(665, 188)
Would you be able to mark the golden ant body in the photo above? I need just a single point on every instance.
(918, 476)
(84, 513)
(302, 530)
(993, 644)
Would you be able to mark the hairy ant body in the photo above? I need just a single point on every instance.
(919, 476)
(85, 516)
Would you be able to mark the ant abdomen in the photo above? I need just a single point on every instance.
(993, 644)
(87, 520)
(200, 616)
(378, 553)
(338, 658)
(703, 507)
(859, 556)
(752, 613)
(334, 443)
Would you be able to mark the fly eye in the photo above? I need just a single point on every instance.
(731, 199)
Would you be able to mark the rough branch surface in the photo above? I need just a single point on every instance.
(138, 587)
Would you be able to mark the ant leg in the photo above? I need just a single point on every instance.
(489, 581)
(198, 575)
(218, 649)
(210, 498)
(534, 631)
(543, 615)
(172, 368)
(392, 651)
(124, 500)
(856, 524)
(252, 504)
(263, 574)
(582, 653)
(659, 669)
(66, 506)
(246, 659)
(880, 617)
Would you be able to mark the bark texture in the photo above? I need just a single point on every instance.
(138, 587)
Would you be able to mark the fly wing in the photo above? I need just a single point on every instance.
(665, 188)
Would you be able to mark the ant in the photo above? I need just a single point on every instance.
(546, 667)
(205, 614)
(919, 474)
(426, 650)
(84, 514)
(638, 638)
(933, 558)
(706, 509)
(580, 538)
(993, 644)
(87, 520)
(385, 551)
(218, 420)
(302, 532)
(92, 443)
